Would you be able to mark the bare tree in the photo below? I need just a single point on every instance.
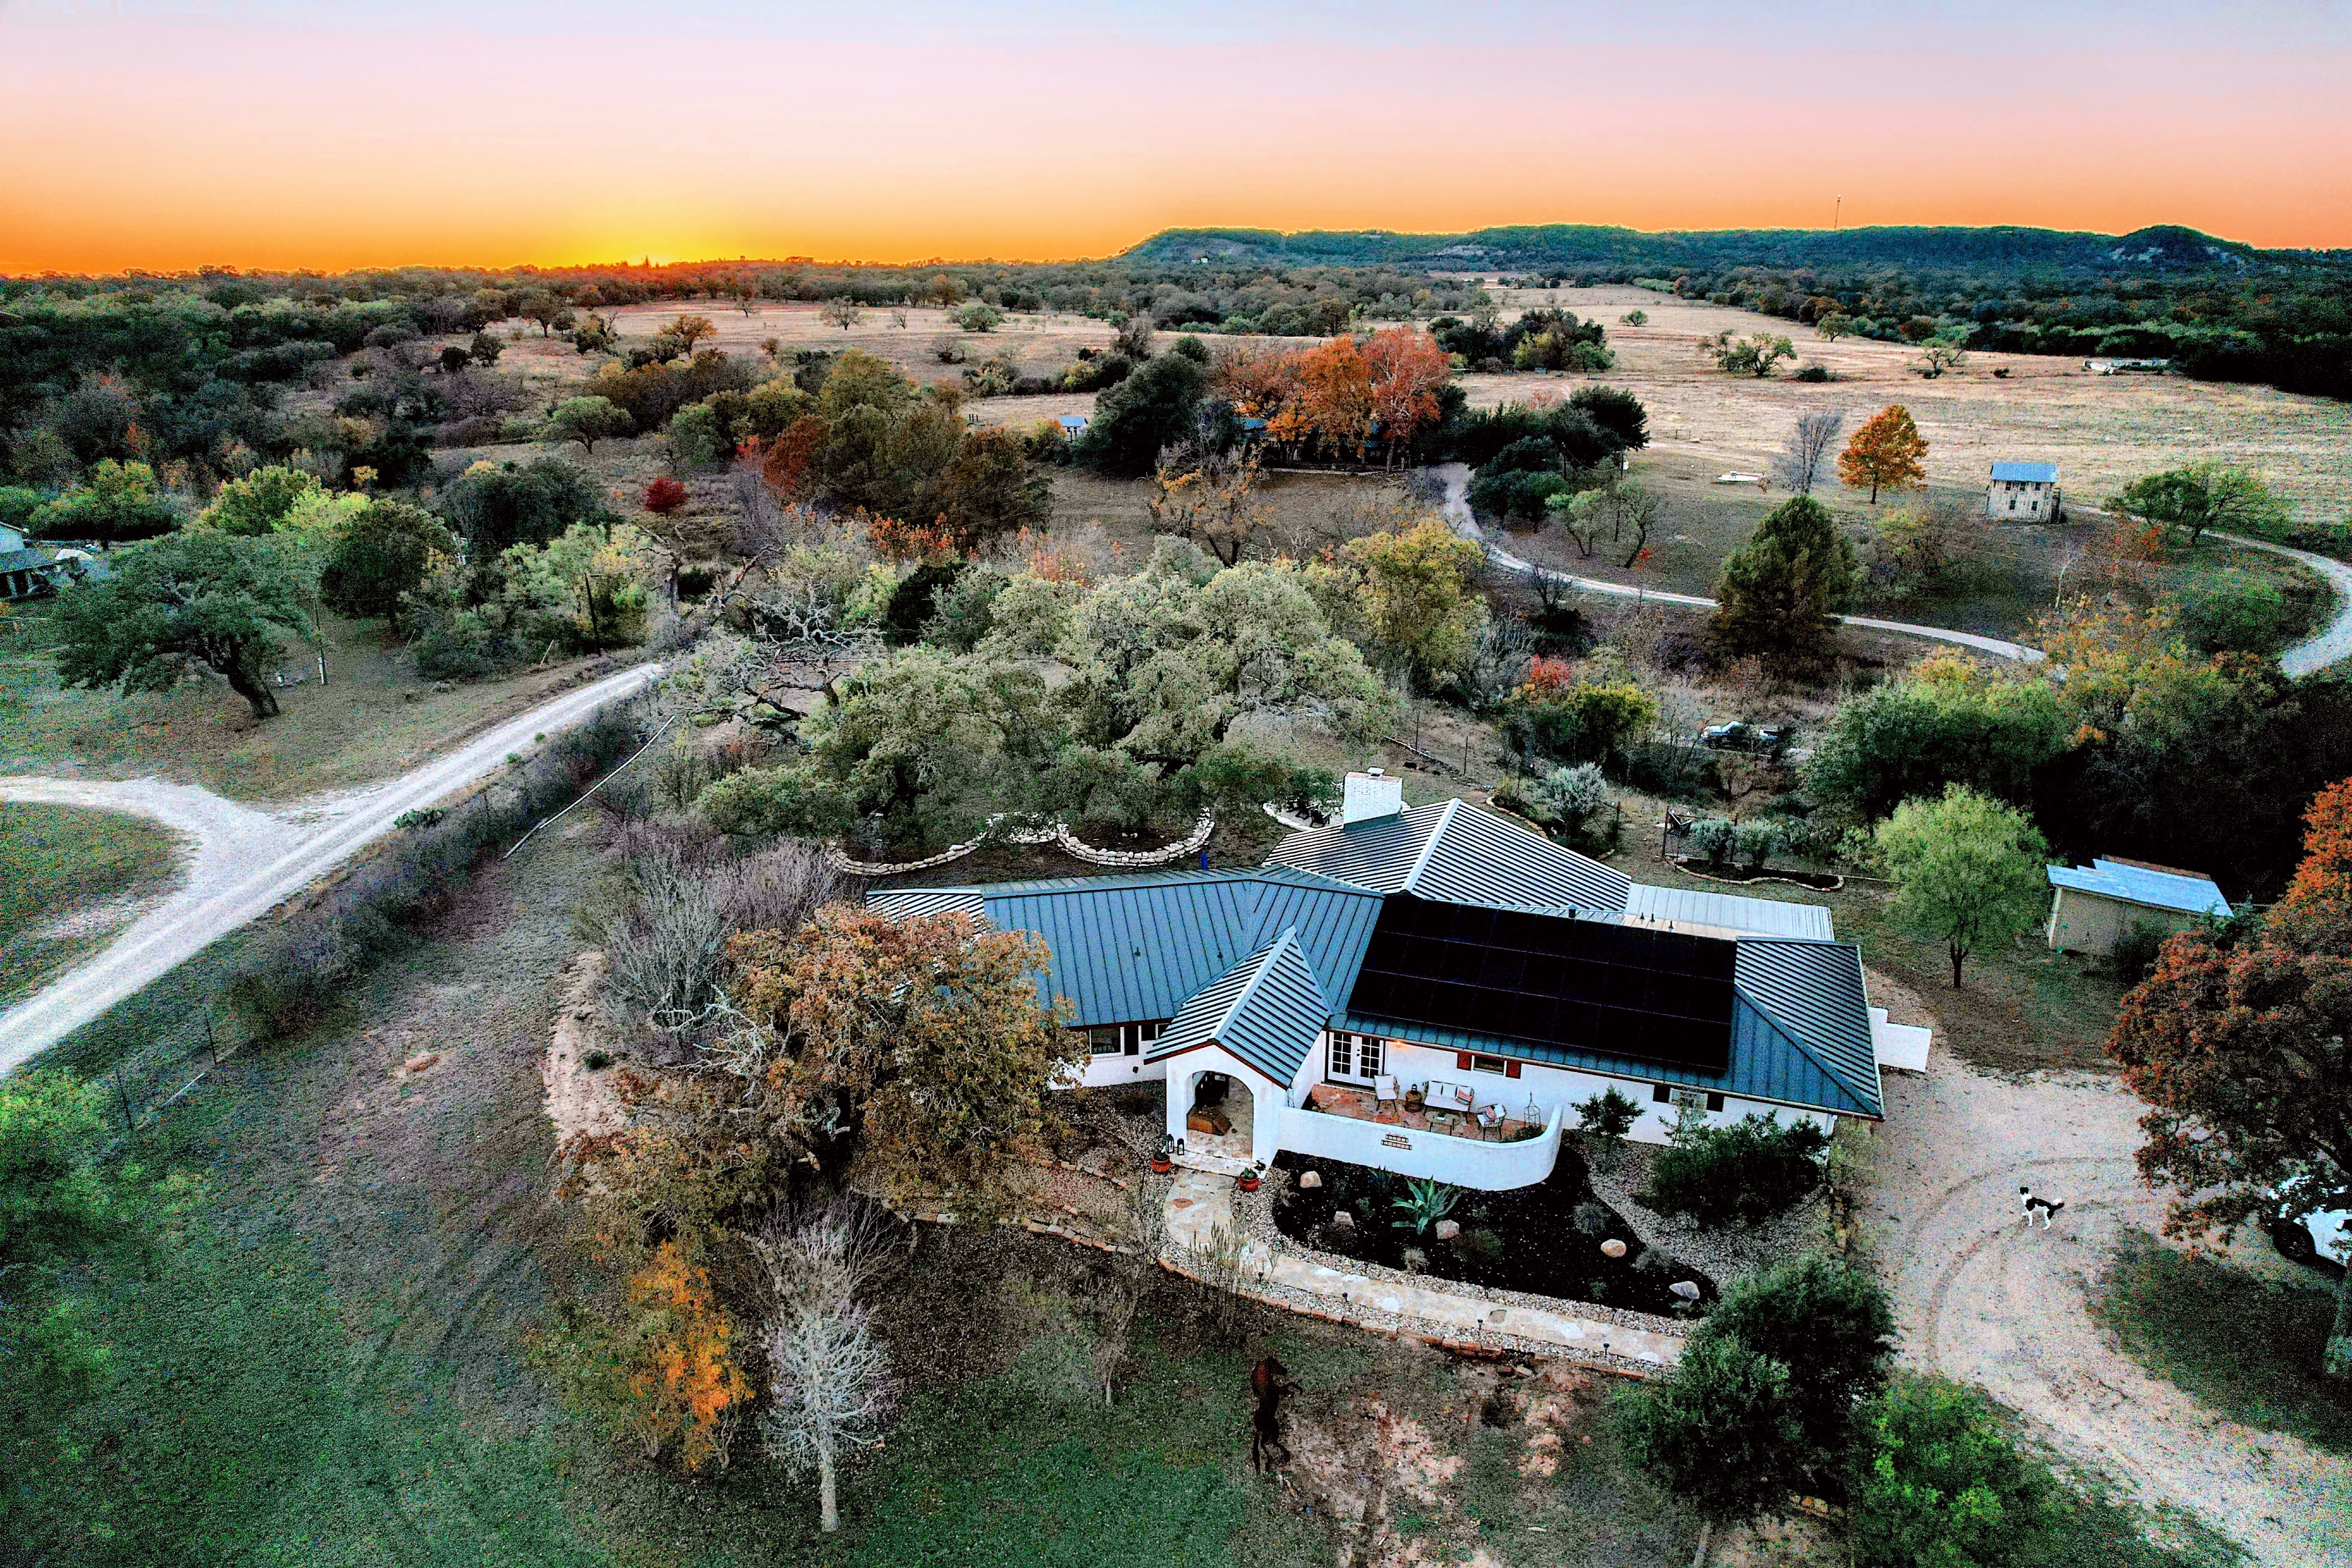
(1134, 339)
(829, 1389)
(1209, 497)
(1124, 1280)
(1801, 461)
(829, 1382)
(898, 316)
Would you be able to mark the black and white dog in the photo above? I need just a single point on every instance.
(2034, 1206)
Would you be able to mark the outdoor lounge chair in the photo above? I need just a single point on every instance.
(1385, 1090)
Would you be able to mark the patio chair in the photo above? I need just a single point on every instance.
(1489, 1117)
(1385, 1090)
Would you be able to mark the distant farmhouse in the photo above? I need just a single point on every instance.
(2023, 492)
(2099, 904)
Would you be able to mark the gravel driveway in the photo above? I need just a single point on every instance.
(1984, 1300)
(248, 860)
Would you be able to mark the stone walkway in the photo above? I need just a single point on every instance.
(1200, 1205)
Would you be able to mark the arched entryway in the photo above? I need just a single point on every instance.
(1224, 1092)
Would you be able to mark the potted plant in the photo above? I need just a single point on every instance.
(1249, 1179)
(1163, 1155)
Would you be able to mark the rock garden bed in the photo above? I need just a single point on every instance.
(1548, 1239)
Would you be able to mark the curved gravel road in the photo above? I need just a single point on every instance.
(249, 859)
(2333, 642)
(1457, 512)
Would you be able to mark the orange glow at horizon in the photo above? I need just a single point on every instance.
(167, 147)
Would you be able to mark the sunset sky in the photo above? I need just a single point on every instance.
(337, 133)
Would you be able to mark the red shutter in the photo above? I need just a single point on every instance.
(1510, 1069)
(1462, 1060)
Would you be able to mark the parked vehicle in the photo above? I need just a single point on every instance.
(2315, 1237)
(1761, 739)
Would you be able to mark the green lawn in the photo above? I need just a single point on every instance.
(2245, 1346)
(374, 718)
(58, 862)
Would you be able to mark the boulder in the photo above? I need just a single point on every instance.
(1310, 1178)
(1447, 1230)
(1612, 1247)
(1686, 1288)
(1343, 1220)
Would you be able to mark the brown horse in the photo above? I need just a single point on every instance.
(1268, 1384)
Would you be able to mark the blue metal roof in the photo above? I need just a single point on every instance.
(1812, 993)
(1455, 853)
(2026, 473)
(1268, 1010)
(2180, 891)
(1687, 908)
(1136, 948)
(1190, 946)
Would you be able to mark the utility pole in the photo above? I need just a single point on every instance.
(1836, 213)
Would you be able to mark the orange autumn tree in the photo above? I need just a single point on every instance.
(664, 1373)
(2238, 1044)
(1885, 454)
(1408, 370)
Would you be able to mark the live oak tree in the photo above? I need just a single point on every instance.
(915, 1050)
(1780, 594)
(2189, 500)
(1968, 869)
(201, 600)
(1885, 454)
(2239, 1047)
(380, 557)
(840, 311)
(1754, 354)
(587, 420)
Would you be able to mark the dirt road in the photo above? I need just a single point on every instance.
(1982, 1299)
(2332, 643)
(248, 860)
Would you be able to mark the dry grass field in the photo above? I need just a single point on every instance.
(2100, 431)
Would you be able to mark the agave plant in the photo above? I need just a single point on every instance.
(1425, 1204)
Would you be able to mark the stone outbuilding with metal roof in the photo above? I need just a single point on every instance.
(2023, 492)
(1433, 990)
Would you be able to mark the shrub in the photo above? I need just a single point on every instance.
(665, 496)
(1712, 839)
(1757, 841)
(1719, 1432)
(1749, 1171)
(1830, 1326)
(1933, 1480)
(1818, 373)
(2133, 958)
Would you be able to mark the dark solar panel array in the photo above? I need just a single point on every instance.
(1585, 986)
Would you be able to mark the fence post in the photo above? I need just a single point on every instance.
(211, 1051)
(130, 1125)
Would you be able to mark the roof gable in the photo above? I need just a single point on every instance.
(1453, 852)
(1267, 1011)
(1812, 993)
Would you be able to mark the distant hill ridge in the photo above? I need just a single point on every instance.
(2165, 247)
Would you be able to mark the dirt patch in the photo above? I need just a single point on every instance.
(1982, 1299)
(584, 1103)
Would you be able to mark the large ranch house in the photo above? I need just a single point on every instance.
(1432, 991)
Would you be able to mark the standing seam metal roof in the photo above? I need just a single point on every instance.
(1267, 1011)
(1814, 992)
(1453, 852)
(2026, 473)
(1728, 911)
(2138, 885)
(1134, 949)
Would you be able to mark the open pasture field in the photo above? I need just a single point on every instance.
(69, 879)
(1042, 344)
(374, 717)
(2100, 431)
